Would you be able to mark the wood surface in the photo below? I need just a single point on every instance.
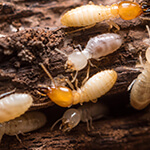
(32, 30)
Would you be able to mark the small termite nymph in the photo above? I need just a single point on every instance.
(98, 46)
(85, 113)
(27, 122)
(91, 14)
(140, 92)
(14, 105)
(98, 85)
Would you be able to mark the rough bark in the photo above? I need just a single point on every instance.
(39, 32)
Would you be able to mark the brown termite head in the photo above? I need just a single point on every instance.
(14, 105)
(29, 121)
(128, 10)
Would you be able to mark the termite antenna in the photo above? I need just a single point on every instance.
(8, 93)
(51, 129)
(48, 73)
(147, 27)
(42, 104)
(59, 51)
(20, 141)
(147, 54)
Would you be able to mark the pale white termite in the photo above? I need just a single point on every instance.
(96, 86)
(98, 46)
(14, 105)
(85, 113)
(140, 92)
(27, 122)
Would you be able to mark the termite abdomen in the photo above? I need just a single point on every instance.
(14, 105)
(29, 121)
(103, 45)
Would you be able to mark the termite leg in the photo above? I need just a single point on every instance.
(75, 76)
(20, 141)
(131, 84)
(144, 18)
(41, 104)
(130, 68)
(92, 127)
(147, 27)
(94, 100)
(91, 64)
(87, 75)
(7, 93)
(59, 51)
(80, 29)
(87, 123)
(112, 24)
(69, 83)
(76, 84)
(91, 3)
(78, 46)
(25, 134)
(141, 60)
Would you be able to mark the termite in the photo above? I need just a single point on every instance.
(91, 14)
(27, 122)
(98, 46)
(14, 105)
(85, 113)
(95, 87)
(140, 92)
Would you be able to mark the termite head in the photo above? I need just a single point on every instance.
(70, 119)
(60, 95)
(129, 10)
(76, 61)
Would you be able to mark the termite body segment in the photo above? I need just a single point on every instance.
(98, 46)
(27, 122)
(14, 105)
(98, 85)
(140, 92)
(85, 113)
(91, 14)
